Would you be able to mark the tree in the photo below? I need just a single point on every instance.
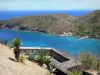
(97, 62)
(87, 60)
(17, 43)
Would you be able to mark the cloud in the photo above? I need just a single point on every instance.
(49, 4)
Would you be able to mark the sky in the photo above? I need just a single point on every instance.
(49, 5)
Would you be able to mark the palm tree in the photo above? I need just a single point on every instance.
(17, 43)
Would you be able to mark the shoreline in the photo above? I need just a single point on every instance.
(61, 35)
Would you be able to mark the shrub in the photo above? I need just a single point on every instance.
(76, 73)
(43, 57)
(5, 42)
(9, 45)
(87, 60)
(97, 63)
(32, 55)
(22, 58)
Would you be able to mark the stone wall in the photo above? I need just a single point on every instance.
(58, 57)
(27, 51)
(59, 60)
(53, 54)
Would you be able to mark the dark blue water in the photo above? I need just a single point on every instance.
(4, 15)
(69, 44)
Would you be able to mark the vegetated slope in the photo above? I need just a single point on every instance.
(50, 23)
(10, 67)
(88, 25)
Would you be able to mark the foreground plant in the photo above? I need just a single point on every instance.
(22, 58)
(97, 63)
(42, 57)
(5, 42)
(17, 43)
(9, 46)
(76, 73)
(87, 60)
(90, 61)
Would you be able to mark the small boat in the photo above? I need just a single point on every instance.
(83, 37)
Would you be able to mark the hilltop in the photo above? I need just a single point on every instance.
(58, 23)
(50, 23)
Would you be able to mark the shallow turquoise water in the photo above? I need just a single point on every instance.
(69, 44)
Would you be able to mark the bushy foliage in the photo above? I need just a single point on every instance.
(97, 63)
(17, 42)
(22, 58)
(90, 61)
(43, 57)
(87, 60)
(32, 55)
(90, 29)
(9, 45)
(76, 73)
(5, 42)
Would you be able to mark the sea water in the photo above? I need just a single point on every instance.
(70, 44)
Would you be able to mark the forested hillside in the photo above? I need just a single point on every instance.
(88, 25)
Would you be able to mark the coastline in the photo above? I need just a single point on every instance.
(61, 35)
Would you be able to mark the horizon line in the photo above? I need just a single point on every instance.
(57, 10)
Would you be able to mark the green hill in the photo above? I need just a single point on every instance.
(88, 25)
(50, 23)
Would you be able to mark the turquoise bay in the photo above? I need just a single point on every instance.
(66, 44)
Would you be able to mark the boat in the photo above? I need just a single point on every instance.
(83, 37)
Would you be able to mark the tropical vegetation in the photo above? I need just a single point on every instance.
(90, 61)
(16, 44)
(76, 73)
(22, 58)
(42, 57)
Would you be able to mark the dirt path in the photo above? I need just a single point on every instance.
(10, 67)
